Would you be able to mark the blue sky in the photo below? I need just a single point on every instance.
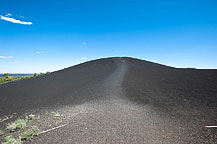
(39, 35)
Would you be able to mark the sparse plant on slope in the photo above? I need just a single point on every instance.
(1, 132)
(12, 78)
(17, 125)
(41, 73)
(56, 114)
(30, 134)
(11, 140)
(31, 117)
(7, 78)
(6, 75)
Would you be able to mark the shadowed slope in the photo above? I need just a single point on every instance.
(171, 86)
(185, 97)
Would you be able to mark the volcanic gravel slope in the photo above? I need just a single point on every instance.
(120, 100)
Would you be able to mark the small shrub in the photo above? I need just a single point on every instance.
(31, 117)
(30, 134)
(4, 119)
(17, 125)
(38, 117)
(56, 114)
(11, 140)
(6, 75)
(41, 73)
(59, 122)
(1, 132)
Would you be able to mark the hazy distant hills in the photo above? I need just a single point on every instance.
(16, 74)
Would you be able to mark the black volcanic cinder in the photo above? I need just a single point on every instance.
(121, 100)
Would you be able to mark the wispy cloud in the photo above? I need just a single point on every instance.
(40, 52)
(14, 20)
(16, 61)
(84, 43)
(5, 57)
(83, 58)
(8, 14)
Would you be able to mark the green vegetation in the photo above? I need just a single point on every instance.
(27, 135)
(20, 123)
(30, 134)
(59, 122)
(38, 117)
(35, 74)
(25, 129)
(6, 75)
(1, 132)
(4, 119)
(17, 125)
(47, 73)
(11, 140)
(31, 117)
(56, 114)
(7, 78)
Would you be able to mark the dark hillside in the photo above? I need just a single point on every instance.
(120, 100)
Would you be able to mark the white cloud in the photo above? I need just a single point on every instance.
(5, 57)
(84, 43)
(14, 20)
(40, 52)
(83, 58)
(8, 14)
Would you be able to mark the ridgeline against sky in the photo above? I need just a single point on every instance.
(39, 36)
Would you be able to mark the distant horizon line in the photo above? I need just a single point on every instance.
(152, 61)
